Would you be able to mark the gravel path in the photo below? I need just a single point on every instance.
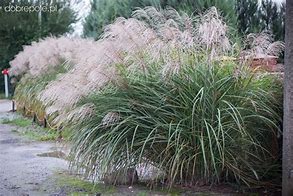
(22, 172)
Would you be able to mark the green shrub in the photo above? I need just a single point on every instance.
(23, 28)
(206, 124)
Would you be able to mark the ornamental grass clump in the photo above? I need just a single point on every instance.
(201, 125)
(26, 92)
(132, 43)
(41, 56)
(262, 44)
(156, 92)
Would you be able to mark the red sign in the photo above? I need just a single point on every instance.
(5, 72)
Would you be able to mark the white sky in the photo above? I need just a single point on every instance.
(82, 8)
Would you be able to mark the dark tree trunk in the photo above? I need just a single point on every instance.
(287, 184)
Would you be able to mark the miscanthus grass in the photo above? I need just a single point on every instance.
(202, 125)
(26, 92)
(156, 89)
(134, 43)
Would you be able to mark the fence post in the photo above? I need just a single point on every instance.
(45, 122)
(34, 118)
(13, 106)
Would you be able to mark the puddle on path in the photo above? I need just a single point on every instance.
(55, 154)
(9, 141)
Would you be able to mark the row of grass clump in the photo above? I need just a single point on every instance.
(207, 123)
(28, 89)
(169, 102)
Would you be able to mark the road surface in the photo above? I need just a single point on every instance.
(22, 172)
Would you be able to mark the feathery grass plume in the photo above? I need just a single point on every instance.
(212, 34)
(29, 87)
(201, 125)
(38, 57)
(208, 32)
(168, 24)
(40, 64)
(175, 30)
(156, 19)
(130, 43)
(122, 44)
(148, 97)
(262, 44)
(168, 39)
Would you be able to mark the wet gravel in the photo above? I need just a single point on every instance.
(22, 171)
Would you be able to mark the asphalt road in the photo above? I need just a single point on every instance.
(22, 172)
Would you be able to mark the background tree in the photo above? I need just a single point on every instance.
(287, 184)
(246, 10)
(245, 16)
(267, 16)
(104, 12)
(21, 28)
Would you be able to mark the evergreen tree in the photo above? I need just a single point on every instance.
(104, 12)
(245, 16)
(267, 16)
(18, 28)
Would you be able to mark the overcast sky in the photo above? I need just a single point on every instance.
(82, 8)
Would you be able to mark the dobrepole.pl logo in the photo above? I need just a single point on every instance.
(29, 9)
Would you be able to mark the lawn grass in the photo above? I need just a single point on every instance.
(76, 186)
(73, 185)
(44, 135)
(26, 128)
(19, 122)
